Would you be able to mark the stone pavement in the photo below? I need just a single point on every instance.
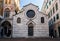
(30, 39)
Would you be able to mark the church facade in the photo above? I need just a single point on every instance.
(30, 23)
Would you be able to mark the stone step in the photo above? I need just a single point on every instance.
(30, 39)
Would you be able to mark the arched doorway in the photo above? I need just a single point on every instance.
(30, 29)
(6, 29)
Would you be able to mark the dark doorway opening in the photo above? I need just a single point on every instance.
(6, 29)
(55, 33)
(30, 29)
(59, 30)
(51, 31)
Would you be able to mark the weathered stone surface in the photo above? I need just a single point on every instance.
(39, 29)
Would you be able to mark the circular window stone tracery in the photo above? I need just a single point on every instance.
(30, 13)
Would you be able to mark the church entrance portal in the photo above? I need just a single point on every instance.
(30, 29)
(6, 29)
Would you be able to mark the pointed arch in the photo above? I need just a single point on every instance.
(30, 29)
(30, 25)
(31, 22)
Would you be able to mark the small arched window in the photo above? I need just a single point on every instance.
(18, 20)
(42, 19)
(6, 13)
